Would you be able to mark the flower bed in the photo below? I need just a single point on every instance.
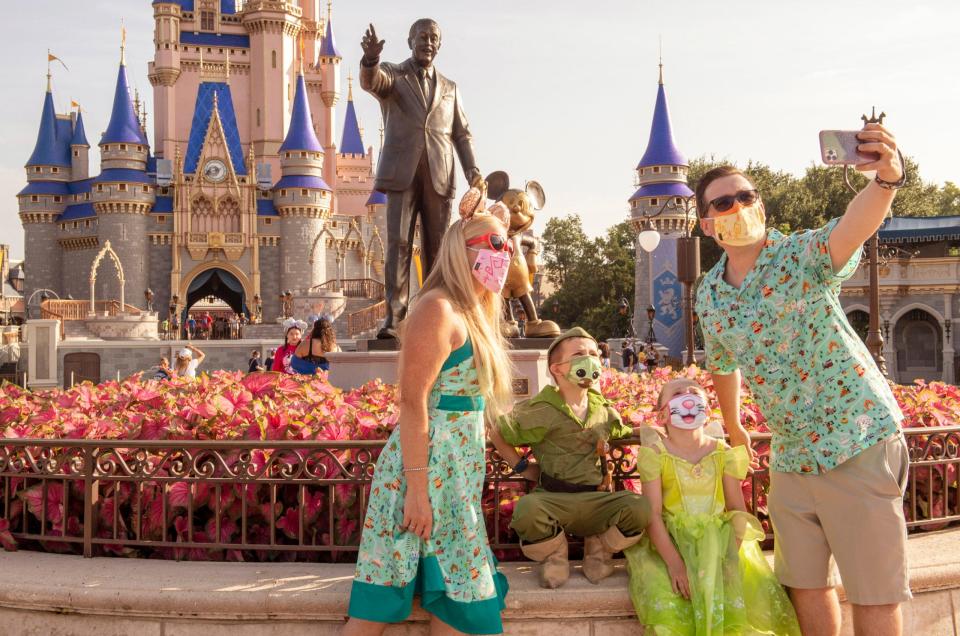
(215, 517)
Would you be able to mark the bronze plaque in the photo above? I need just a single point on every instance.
(521, 386)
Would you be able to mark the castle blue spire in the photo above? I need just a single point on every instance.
(79, 134)
(124, 127)
(48, 151)
(661, 151)
(352, 141)
(329, 46)
(301, 136)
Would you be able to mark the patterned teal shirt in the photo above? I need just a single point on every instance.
(823, 397)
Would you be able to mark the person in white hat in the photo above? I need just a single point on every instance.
(188, 359)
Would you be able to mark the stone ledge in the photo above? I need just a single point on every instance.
(40, 590)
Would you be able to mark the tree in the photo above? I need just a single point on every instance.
(564, 244)
(592, 288)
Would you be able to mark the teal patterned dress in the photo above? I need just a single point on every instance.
(454, 573)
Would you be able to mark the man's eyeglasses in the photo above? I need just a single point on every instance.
(496, 242)
(743, 197)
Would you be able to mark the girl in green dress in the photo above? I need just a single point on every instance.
(424, 531)
(699, 570)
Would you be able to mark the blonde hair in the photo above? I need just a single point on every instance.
(181, 364)
(673, 387)
(451, 273)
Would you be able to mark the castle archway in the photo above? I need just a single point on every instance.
(106, 251)
(217, 279)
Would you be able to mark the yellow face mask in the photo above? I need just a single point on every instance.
(740, 226)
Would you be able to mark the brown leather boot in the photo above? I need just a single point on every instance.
(598, 552)
(552, 556)
(597, 562)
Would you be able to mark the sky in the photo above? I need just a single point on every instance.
(563, 92)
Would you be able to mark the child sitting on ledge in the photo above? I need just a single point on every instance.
(699, 569)
(563, 425)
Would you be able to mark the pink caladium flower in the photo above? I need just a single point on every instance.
(6, 538)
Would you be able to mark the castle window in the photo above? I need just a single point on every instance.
(268, 221)
(123, 146)
(76, 153)
(166, 45)
(161, 219)
(303, 192)
(303, 155)
(54, 170)
(139, 148)
(656, 170)
(34, 198)
(273, 58)
(219, 50)
(75, 225)
(86, 196)
(674, 168)
(63, 226)
(37, 169)
(207, 21)
(164, 190)
(642, 171)
(86, 223)
(57, 199)
(258, 118)
(678, 201)
(99, 187)
(122, 187)
(283, 193)
(146, 188)
(654, 202)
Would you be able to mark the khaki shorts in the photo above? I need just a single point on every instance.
(849, 518)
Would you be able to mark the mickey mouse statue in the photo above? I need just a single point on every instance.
(523, 206)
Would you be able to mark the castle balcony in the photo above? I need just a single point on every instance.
(232, 244)
(898, 276)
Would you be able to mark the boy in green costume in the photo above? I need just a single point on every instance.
(563, 426)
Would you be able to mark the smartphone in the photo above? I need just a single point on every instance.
(839, 147)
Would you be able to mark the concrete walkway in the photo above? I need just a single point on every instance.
(56, 595)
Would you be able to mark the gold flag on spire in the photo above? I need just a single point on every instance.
(75, 104)
(53, 58)
(123, 42)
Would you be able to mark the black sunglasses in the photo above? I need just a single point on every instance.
(724, 203)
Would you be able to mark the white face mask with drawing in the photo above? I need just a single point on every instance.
(687, 411)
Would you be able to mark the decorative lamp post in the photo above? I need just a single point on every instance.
(257, 309)
(651, 314)
(148, 298)
(874, 339)
(623, 308)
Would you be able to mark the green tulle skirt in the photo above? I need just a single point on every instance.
(733, 591)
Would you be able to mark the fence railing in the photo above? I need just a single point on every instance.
(355, 288)
(366, 319)
(247, 500)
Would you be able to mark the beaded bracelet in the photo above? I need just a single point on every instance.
(415, 470)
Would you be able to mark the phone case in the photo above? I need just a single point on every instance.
(839, 147)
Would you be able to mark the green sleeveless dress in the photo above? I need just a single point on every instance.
(454, 573)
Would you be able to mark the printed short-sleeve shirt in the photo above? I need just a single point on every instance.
(823, 396)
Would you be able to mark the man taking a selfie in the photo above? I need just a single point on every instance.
(771, 316)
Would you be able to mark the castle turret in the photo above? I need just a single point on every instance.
(354, 164)
(79, 150)
(662, 181)
(123, 194)
(163, 74)
(302, 198)
(44, 199)
(329, 63)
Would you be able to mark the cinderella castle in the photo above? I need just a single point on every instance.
(244, 193)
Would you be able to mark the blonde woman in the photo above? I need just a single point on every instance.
(188, 359)
(424, 529)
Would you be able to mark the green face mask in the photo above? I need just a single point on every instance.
(584, 371)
